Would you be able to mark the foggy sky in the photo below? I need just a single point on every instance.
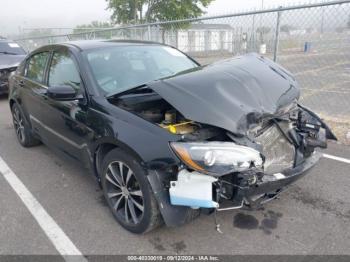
(17, 14)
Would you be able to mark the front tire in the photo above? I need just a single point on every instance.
(22, 128)
(128, 193)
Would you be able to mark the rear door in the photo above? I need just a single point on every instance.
(32, 86)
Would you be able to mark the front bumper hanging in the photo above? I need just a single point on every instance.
(196, 190)
(253, 196)
(274, 184)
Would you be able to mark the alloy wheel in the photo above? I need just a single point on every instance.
(124, 193)
(18, 124)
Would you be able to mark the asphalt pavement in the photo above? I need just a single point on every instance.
(311, 217)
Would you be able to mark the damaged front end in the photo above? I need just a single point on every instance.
(239, 133)
(11, 55)
(252, 170)
(5, 73)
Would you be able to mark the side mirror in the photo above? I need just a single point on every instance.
(62, 93)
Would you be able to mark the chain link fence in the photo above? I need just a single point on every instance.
(312, 41)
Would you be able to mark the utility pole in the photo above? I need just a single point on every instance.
(277, 33)
(322, 19)
(262, 7)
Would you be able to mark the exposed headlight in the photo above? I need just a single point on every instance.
(217, 158)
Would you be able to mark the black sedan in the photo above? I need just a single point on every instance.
(165, 137)
(11, 55)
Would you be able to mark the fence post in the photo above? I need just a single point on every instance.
(277, 35)
(149, 32)
(252, 37)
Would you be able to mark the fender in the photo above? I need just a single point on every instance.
(173, 215)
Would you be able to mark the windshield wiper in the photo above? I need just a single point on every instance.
(7, 53)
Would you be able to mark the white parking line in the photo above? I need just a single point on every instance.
(341, 159)
(56, 235)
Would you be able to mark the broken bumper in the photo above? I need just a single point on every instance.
(272, 185)
(176, 215)
(197, 190)
(4, 79)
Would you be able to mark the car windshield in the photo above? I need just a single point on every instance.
(120, 68)
(11, 48)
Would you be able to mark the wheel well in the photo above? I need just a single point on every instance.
(103, 149)
(100, 153)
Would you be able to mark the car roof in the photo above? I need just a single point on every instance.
(92, 44)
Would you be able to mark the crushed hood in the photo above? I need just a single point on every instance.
(9, 61)
(231, 94)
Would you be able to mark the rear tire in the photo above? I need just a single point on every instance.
(22, 128)
(128, 193)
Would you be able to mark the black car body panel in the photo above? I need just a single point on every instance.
(77, 130)
(230, 94)
(229, 97)
(117, 131)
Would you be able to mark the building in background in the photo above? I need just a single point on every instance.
(206, 38)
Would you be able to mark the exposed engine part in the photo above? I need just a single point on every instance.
(181, 128)
(278, 151)
(153, 108)
(152, 115)
(193, 189)
(229, 187)
(222, 193)
(170, 122)
(170, 117)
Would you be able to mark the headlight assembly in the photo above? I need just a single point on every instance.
(217, 158)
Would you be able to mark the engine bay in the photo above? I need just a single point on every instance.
(153, 108)
(276, 137)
